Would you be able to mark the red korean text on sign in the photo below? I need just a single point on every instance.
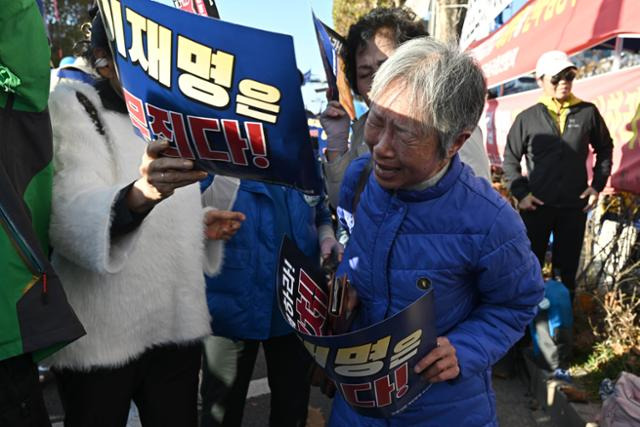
(311, 306)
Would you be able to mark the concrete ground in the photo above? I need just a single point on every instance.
(515, 405)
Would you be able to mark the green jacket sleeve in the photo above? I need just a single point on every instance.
(24, 51)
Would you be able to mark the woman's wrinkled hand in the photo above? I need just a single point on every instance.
(160, 177)
(441, 364)
(330, 246)
(222, 225)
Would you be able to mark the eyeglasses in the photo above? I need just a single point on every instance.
(567, 75)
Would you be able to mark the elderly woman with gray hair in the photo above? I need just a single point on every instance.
(373, 38)
(424, 215)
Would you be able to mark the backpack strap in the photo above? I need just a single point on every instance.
(362, 183)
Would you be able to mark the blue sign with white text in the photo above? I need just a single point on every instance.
(224, 95)
(372, 368)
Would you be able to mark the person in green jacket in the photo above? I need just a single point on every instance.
(35, 317)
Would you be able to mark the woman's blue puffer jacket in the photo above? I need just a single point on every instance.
(473, 247)
(242, 298)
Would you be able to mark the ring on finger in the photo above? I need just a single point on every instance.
(162, 176)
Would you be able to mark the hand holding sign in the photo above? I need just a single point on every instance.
(331, 247)
(335, 122)
(160, 177)
(441, 364)
(372, 367)
(230, 103)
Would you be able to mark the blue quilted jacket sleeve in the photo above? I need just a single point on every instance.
(509, 284)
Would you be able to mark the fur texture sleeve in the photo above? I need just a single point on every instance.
(85, 185)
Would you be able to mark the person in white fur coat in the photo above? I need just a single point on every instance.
(128, 247)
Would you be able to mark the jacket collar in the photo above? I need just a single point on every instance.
(441, 187)
(254, 187)
(556, 106)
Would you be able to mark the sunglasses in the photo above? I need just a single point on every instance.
(566, 75)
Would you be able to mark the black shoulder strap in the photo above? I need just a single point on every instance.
(362, 183)
(91, 110)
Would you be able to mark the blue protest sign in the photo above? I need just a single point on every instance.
(372, 367)
(330, 44)
(224, 95)
(329, 47)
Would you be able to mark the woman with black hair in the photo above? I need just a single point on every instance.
(369, 43)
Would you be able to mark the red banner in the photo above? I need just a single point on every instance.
(543, 25)
(617, 95)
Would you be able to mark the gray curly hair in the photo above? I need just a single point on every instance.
(446, 87)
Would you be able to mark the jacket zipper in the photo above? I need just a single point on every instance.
(26, 253)
(554, 126)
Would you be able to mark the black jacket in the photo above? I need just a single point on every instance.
(557, 163)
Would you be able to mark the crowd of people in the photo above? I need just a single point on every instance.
(600, 61)
(166, 272)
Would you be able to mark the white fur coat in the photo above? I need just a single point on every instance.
(140, 290)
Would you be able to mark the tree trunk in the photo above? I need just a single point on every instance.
(449, 19)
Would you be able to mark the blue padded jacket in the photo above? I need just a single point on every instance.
(242, 298)
(473, 247)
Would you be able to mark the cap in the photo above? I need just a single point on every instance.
(552, 62)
